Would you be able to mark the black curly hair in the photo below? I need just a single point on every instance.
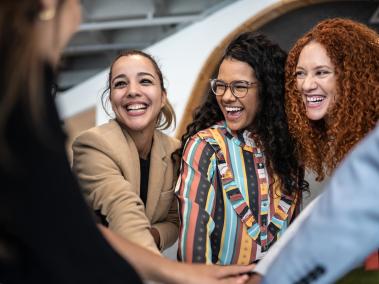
(270, 123)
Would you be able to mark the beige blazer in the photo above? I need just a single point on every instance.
(106, 162)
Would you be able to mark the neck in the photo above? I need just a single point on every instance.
(143, 141)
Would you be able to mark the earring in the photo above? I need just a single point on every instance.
(47, 14)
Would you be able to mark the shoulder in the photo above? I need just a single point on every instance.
(208, 139)
(211, 134)
(103, 129)
(171, 144)
(100, 135)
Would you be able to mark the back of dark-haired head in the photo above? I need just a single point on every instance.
(21, 69)
(270, 127)
(167, 114)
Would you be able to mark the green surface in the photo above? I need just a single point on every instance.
(359, 276)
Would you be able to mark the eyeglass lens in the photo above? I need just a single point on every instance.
(238, 88)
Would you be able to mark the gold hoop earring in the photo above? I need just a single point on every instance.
(47, 14)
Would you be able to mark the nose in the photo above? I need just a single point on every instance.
(133, 90)
(309, 83)
(228, 95)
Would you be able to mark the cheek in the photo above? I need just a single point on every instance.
(76, 12)
(114, 100)
(332, 86)
(251, 100)
(113, 106)
(299, 84)
(218, 99)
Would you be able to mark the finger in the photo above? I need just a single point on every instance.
(242, 279)
(255, 279)
(251, 266)
(235, 270)
(235, 279)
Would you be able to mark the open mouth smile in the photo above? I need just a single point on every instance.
(136, 108)
(314, 100)
(233, 112)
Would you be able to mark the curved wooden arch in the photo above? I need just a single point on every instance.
(254, 23)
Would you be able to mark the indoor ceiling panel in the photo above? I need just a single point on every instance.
(110, 26)
(149, 35)
(100, 10)
(189, 7)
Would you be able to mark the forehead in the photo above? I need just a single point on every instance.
(238, 70)
(314, 53)
(132, 64)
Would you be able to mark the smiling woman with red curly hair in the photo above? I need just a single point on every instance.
(332, 102)
(332, 87)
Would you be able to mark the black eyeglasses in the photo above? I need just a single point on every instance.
(239, 88)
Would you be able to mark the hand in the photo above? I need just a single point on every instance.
(255, 279)
(157, 268)
(212, 274)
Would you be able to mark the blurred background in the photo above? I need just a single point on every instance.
(114, 25)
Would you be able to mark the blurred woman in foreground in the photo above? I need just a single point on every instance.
(47, 234)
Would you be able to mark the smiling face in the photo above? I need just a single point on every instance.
(135, 93)
(316, 80)
(239, 113)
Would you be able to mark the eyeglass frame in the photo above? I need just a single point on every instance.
(231, 86)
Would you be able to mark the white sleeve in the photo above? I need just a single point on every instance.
(341, 230)
(292, 230)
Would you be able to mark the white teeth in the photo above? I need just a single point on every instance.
(315, 99)
(136, 107)
(233, 108)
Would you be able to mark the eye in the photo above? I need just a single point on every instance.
(218, 87)
(240, 86)
(120, 84)
(146, 82)
(299, 74)
(322, 72)
(220, 84)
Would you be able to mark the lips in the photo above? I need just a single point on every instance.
(233, 112)
(136, 108)
(314, 100)
(233, 109)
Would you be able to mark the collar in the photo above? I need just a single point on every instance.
(243, 138)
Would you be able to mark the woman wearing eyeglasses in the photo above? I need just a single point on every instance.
(240, 183)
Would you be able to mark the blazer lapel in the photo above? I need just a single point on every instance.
(158, 165)
(128, 153)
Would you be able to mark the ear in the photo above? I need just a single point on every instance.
(49, 4)
(164, 99)
(48, 10)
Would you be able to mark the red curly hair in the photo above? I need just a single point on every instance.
(354, 50)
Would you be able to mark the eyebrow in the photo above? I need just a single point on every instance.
(145, 74)
(139, 74)
(317, 67)
(118, 76)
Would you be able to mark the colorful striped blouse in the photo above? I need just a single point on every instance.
(229, 211)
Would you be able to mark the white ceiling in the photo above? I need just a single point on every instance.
(110, 26)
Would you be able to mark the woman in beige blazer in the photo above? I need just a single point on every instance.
(125, 165)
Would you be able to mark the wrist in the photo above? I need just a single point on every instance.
(167, 271)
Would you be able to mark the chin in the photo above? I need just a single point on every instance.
(315, 116)
(234, 126)
(138, 127)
